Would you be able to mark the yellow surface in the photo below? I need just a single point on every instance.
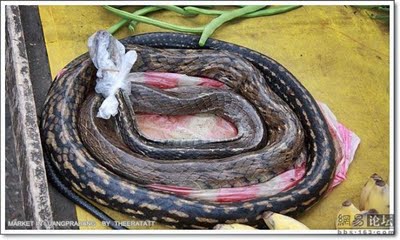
(338, 53)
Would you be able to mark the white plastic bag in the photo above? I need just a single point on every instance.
(113, 64)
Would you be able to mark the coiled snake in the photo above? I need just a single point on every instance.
(117, 187)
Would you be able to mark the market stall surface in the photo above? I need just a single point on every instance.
(337, 52)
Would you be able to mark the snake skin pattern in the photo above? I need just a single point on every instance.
(77, 168)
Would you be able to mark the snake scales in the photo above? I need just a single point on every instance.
(86, 175)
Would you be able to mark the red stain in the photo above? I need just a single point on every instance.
(237, 194)
(299, 173)
(161, 80)
(60, 73)
(224, 129)
(207, 82)
(162, 127)
(223, 195)
(183, 191)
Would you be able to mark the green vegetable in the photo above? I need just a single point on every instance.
(154, 22)
(263, 12)
(223, 18)
(140, 12)
(203, 11)
(177, 10)
(206, 30)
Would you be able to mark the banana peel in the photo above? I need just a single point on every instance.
(346, 215)
(366, 190)
(378, 197)
(276, 221)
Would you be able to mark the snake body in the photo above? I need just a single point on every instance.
(258, 166)
(251, 130)
(86, 175)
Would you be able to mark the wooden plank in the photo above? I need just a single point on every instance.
(63, 209)
(25, 126)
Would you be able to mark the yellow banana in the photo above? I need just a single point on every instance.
(346, 215)
(278, 221)
(378, 197)
(367, 189)
(234, 226)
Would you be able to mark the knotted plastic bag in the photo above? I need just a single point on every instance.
(113, 66)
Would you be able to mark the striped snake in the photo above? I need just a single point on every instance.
(71, 162)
